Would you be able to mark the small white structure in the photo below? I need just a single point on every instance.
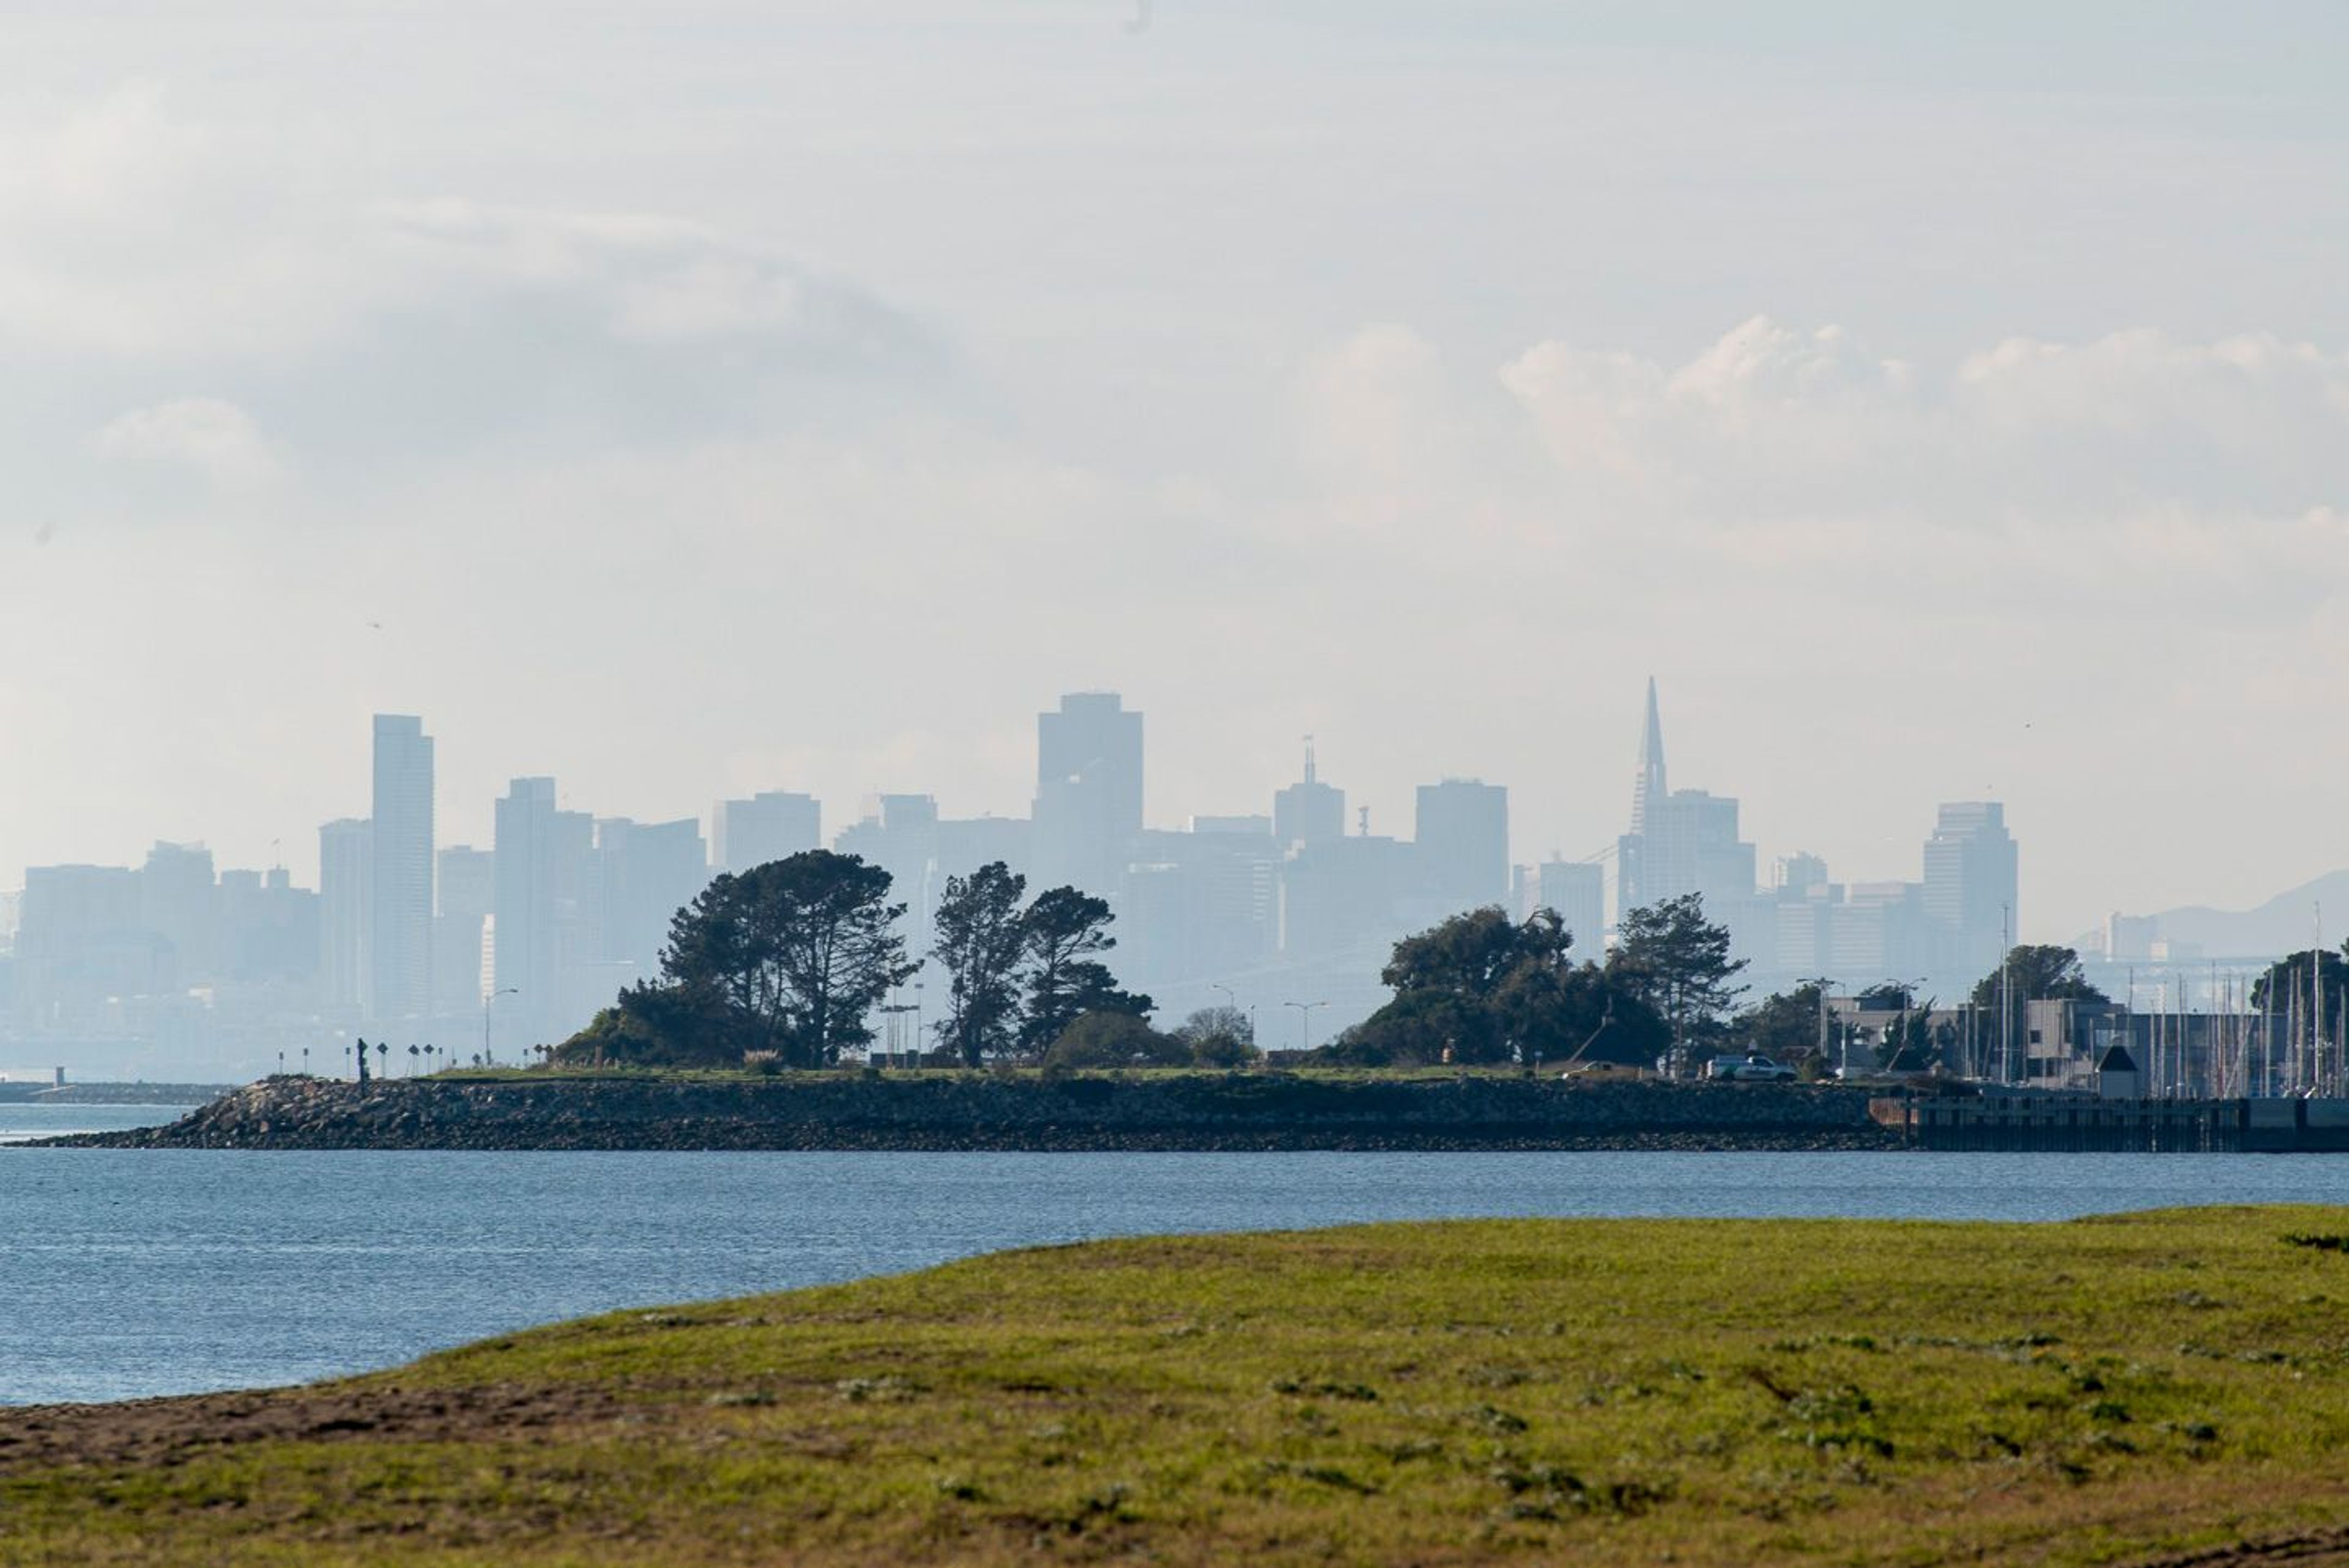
(2117, 1078)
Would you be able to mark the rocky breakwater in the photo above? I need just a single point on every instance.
(948, 1111)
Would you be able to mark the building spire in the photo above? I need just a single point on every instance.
(1649, 786)
(1309, 774)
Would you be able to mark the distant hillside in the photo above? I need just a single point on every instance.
(2283, 924)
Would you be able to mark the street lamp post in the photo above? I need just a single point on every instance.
(1305, 1021)
(487, 1003)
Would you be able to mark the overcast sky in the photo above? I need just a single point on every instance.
(687, 399)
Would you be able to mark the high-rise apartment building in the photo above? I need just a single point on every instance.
(1088, 792)
(772, 826)
(345, 904)
(399, 931)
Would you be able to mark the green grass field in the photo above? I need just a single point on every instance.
(1588, 1392)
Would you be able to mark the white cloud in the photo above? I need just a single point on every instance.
(1769, 423)
(209, 435)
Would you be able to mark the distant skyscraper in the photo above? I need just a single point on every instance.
(400, 933)
(645, 872)
(1648, 784)
(345, 904)
(1971, 867)
(1463, 839)
(1577, 889)
(1682, 841)
(1088, 792)
(773, 825)
(468, 896)
(1309, 811)
(543, 866)
(179, 898)
(80, 948)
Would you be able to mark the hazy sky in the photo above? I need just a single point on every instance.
(686, 398)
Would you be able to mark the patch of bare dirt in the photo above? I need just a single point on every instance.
(165, 1431)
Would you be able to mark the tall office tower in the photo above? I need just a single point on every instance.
(1648, 784)
(542, 868)
(1971, 865)
(772, 826)
(1463, 838)
(645, 873)
(1682, 841)
(468, 896)
(1088, 792)
(1308, 811)
(179, 899)
(346, 877)
(1577, 889)
(400, 933)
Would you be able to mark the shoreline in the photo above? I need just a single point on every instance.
(986, 1113)
(1608, 1391)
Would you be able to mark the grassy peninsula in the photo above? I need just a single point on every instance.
(2156, 1387)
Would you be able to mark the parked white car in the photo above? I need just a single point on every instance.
(1751, 1068)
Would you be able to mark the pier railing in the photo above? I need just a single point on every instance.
(2080, 1122)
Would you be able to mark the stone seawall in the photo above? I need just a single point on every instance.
(983, 1112)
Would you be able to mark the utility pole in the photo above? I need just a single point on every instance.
(487, 1003)
(2006, 992)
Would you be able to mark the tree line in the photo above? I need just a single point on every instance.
(785, 965)
(1482, 989)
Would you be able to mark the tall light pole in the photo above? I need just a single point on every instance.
(487, 1003)
(1305, 1021)
(1231, 997)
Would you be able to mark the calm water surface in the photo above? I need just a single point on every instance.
(131, 1273)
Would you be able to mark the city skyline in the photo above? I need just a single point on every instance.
(776, 821)
(763, 454)
(532, 933)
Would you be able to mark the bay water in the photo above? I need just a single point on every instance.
(133, 1272)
